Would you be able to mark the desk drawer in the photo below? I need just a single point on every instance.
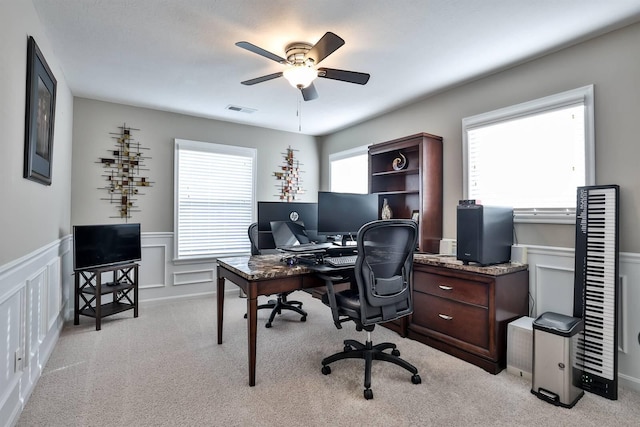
(468, 291)
(465, 322)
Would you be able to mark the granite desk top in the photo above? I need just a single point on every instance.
(450, 261)
(264, 267)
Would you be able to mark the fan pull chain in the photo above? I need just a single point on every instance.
(299, 113)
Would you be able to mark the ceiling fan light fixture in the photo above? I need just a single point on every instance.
(300, 76)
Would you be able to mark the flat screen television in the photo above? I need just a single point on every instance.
(344, 213)
(105, 245)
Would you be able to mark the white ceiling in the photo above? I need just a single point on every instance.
(180, 55)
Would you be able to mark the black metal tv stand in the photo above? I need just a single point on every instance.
(90, 288)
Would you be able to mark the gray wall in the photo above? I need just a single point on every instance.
(32, 214)
(610, 62)
(95, 120)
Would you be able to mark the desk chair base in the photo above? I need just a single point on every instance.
(279, 304)
(369, 352)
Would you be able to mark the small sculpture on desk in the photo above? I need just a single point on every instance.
(386, 210)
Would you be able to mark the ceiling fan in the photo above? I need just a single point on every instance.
(301, 62)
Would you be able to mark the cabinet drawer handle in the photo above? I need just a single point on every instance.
(445, 287)
(445, 317)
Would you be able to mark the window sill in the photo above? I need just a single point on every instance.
(544, 218)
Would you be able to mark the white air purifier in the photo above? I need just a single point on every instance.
(520, 347)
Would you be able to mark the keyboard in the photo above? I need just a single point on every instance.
(341, 261)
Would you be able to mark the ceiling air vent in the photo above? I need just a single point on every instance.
(241, 109)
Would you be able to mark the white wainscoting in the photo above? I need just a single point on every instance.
(162, 278)
(551, 289)
(35, 291)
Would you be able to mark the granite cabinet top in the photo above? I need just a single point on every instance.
(450, 262)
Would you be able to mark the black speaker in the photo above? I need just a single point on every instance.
(484, 233)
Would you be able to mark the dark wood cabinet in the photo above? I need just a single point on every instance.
(416, 187)
(90, 290)
(464, 310)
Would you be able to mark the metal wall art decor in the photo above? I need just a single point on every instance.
(289, 177)
(41, 107)
(123, 172)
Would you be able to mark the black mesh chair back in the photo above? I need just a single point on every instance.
(253, 238)
(383, 270)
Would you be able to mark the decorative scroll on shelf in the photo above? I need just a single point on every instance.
(289, 177)
(399, 162)
(123, 172)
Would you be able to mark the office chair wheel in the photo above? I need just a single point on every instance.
(347, 348)
(245, 315)
(326, 370)
(395, 352)
(368, 394)
(416, 379)
(268, 325)
(303, 319)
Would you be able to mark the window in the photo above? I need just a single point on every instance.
(532, 156)
(214, 199)
(349, 171)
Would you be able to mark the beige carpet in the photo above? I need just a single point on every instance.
(165, 369)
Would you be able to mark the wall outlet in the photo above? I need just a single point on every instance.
(18, 361)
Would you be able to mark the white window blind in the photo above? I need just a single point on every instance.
(349, 171)
(214, 199)
(532, 156)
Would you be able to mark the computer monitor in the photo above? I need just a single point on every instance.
(304, 212)
(344, 213)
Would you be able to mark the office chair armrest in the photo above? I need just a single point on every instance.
(331, 294)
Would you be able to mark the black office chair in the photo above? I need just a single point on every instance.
(281, 302)
(381, 292)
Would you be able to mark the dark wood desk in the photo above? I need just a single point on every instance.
(259, 275)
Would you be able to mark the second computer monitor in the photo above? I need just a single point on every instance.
(344, 213)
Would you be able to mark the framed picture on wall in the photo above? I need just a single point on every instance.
(39, 117)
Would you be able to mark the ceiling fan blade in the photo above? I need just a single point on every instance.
(262, 79)
(343, 75)
(309, 93)
(328, 44)
(260, 51)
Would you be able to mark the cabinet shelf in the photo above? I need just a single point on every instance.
(390, 193)
(108, 309)
(400, 172)
(107, 288)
